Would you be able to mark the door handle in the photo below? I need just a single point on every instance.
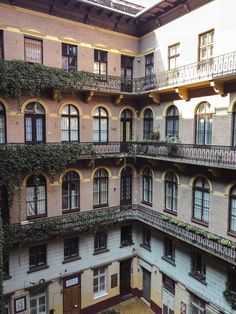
(76, 305)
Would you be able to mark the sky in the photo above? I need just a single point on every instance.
(144, 3)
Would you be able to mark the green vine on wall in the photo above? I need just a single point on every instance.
(20, 77)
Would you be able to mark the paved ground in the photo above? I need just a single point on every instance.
(133, 306)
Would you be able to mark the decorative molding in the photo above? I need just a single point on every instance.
(218, 87)
(216, 172)
(117, 99)
(89, 96)
(183, 93)
(156, 98)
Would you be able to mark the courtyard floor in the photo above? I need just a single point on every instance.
(133, 306)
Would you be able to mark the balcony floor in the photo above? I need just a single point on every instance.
(133, 306)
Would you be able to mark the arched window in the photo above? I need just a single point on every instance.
(70, 191)
(232, 210)
(201, 200)
(126, 186)
(147, 124)
(100, 125)
(147, 186)
(36, 196)
(70, 124)
(100, 188)
(171, 192)
(126, 125)
(172, 122)
(234, 126)
(34, 123)
(203, 124)
(2, 124)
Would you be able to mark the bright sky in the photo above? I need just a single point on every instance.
(144, 3)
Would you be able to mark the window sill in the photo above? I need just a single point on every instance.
(169, 260)
(199, 222)
(170, 212)
(66, 211)
(37, 268)
(146, 203)
(36, 217)
(71, 259)
(200, 278)
(126, 244)
(6, 277)
(100, 295)
(101, 251)
(100, 205)
(231, 233)
(145, 246)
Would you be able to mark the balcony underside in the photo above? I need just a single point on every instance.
(49, 228)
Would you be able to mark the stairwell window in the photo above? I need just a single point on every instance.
(33, 50)
(99, 282)
(149, 65)
(100, 63)
(126, 235)
(147, 124)
(171, 192)
(201, 201)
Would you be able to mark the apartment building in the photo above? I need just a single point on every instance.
(118, 159)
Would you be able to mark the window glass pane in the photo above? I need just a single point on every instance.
(33, 50)
(39, 129)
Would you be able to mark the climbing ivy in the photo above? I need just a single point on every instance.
(20, 77)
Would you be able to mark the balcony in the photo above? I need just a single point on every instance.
(48, 228)
(16, 77)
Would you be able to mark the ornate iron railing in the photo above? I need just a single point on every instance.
(210, 155)
(130, 9)
(47, 228)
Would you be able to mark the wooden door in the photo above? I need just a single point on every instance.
(125, 277)
(72, 300)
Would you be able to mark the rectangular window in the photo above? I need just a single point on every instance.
(149, 65)
(71, 247)
(33, 50)
(197, 306)
(100, 241)
(69, 57)
(38, 302)
(173, 56)
(37, 256)
(147, 237)
(169, 249)
(198, 266)
(168, 295)
(126, 235)
(99, 282)
(206, 45)
(100, 62)
(1, 45)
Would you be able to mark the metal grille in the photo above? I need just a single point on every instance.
(146, 284)
(168, 296)
(197, 306)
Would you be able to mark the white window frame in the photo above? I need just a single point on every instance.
(99, 288)
(37, 296)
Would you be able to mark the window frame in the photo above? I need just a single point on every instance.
(147, 124)
(36, 296)
(209, 45)
(169, 250)
(2, 54)
(41, 48)
(147, 181)
(174, 119)
(69, 117)
(68, 179)
(101, 273)
(173, 183)
(99, 237)
(98, 180)
(175, 56)
(99, 118)
(198, 266)
(126, 235)
(68, 56)
(231, 198)
(98, 59)
(69, 245)
(205, 116)
(203, 191)
(149, 65)
(146, 237)
(31, 184)
(4, 129)
(36, 255)
(34, 118)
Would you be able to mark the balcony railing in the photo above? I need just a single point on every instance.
(210, 155)
(48, 228)
(118, 5)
